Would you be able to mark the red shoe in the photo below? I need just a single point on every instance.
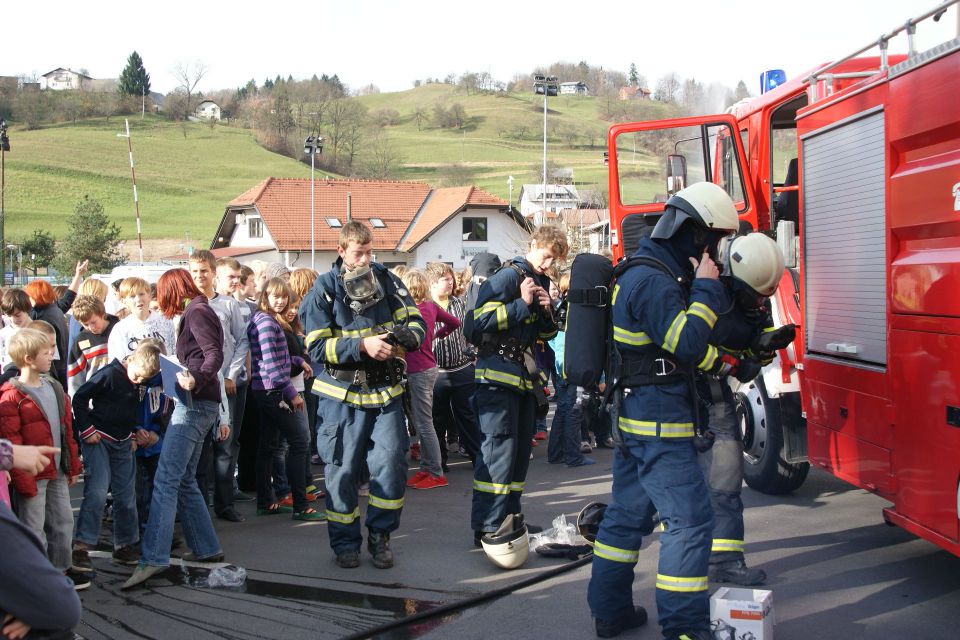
(540, 435)
(432, 482)
(418, 477)
(415, 451)
(287, 501)
(534, 442)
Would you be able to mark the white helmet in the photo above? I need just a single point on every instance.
(508, 546)
(754, 259)
(706, 203)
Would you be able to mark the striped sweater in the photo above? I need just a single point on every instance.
(270, 357)
(88, 353)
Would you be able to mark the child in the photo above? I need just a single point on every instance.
(153, 414)
(106, 418)
(15, 305)
(88, 353)
(141, 323)
(34, 411)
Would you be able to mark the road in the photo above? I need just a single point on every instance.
(836, 571)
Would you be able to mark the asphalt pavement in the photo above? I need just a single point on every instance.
(836, 571)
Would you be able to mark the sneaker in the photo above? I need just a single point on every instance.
(189, 557)
(415, 451)
(612, 628)
(240, 496)
(310, 515)
(540, 435)
(534, 442)
(230, 515)
(274, 509)
(81, 560)
(737, 572)
(432, 482)
(126, 555)
(80, 581)
(462, 452)
(141, 574)
(348, 559)
(287, 501)
(313, 496)
(378, 544)
(419, 476)
(585, 447)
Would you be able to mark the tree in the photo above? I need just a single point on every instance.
(634, 76)
(383, 159)
(741, 91)
(92, 237)
(134, 79)
(668, 88)
(188, 76)
(419, 115)
(38, 252)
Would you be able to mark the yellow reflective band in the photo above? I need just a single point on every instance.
(406, 312)
(616, 290)
(517, 486)
(703, 312)
(769, 329)
(683, 585)
(672, 338)
(377, 398)
(489, 307)
(331, 351)
(637, 427)
(500, 376)
(709, 359)
(676, 429)
(327, 389)
(607, 552)
(375, 330)
(317, 334)
(383, 503)
(491, 487)
(502, 317)
(635, 338)
(727, 545)
(343, 518)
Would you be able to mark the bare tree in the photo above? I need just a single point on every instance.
(188, 76)
(419, 115)
(668, 88)
(383, 159)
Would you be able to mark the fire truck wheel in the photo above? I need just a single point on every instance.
(764, 468)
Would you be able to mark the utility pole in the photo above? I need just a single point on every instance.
(4, 147)
(133, 174)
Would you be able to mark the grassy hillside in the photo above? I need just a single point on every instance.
(183, 182)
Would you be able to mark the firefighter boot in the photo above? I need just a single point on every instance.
(612, 628)
(378, 544)
(737, 572)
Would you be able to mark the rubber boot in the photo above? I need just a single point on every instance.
(378, 544)
(612, 628)
(737, 572)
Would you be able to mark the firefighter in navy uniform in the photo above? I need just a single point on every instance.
(743, 340)
(355, 317)
(664, 309)
(513, 310)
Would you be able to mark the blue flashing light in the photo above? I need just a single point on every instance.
(771, 79)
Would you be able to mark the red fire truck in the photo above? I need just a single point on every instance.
(855, 169)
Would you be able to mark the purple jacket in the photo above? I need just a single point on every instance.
(200, 347)
(270, 356)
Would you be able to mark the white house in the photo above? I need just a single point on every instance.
(412, 223)
(208, 110)
(61, 79)
(574, 88)
(533, 205)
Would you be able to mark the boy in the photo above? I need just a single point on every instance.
(106, 417)
(141, 323)
(88, 353)
(33, 411)
(15, 305)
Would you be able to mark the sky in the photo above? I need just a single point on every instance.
(392, 43)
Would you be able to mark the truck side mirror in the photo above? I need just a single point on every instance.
(676, 173)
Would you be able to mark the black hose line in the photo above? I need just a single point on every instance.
(469, 602)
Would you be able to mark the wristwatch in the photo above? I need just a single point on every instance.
(6, 455)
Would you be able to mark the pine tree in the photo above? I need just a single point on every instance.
(92, 237)
(134, 80)
(634, 76)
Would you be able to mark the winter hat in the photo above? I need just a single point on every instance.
(275, 270)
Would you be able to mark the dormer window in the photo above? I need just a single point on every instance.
(334, 223)
(377, 223)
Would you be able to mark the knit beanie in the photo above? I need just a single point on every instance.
(275, 270)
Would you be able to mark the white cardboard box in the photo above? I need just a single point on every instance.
(741, 614)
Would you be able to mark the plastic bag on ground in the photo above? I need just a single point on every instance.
(562, 532)
(228, 576)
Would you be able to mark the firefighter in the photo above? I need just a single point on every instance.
(513, 310)
(355, 317)
(742, 341)
(664, 309)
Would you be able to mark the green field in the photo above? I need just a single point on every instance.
(184, 182)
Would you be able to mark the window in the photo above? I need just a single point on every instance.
(334, 223)
(255, 227)
(475, 229)
(377, 223)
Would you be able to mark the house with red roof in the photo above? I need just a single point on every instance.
(412, 223)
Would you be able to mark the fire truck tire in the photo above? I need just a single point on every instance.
(764, 467)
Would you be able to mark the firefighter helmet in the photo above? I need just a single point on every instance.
(588, 521)
(706, 203)
(508, 546)
(754, 259)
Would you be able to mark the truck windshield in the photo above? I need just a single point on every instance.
(654, 164)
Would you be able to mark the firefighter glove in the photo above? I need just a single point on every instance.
(406, 338)
(776, 339)
(747, 370)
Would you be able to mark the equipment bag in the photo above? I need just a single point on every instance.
(588, 320)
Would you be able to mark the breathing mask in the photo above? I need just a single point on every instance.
(362, 287)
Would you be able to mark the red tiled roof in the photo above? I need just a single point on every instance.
(284, 204)
(585, 217)
(443, 205)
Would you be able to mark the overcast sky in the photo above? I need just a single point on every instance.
(392, 43)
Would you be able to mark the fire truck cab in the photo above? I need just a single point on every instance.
(854, 168)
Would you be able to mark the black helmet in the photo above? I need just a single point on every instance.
(706, 203)
(588, 521)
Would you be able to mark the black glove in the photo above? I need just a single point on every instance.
(406, 338)
(747, 370)
(775, 340)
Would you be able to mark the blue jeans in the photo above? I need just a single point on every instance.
(108, 466)
(420, 387)
(563, 444)
(175, 488)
